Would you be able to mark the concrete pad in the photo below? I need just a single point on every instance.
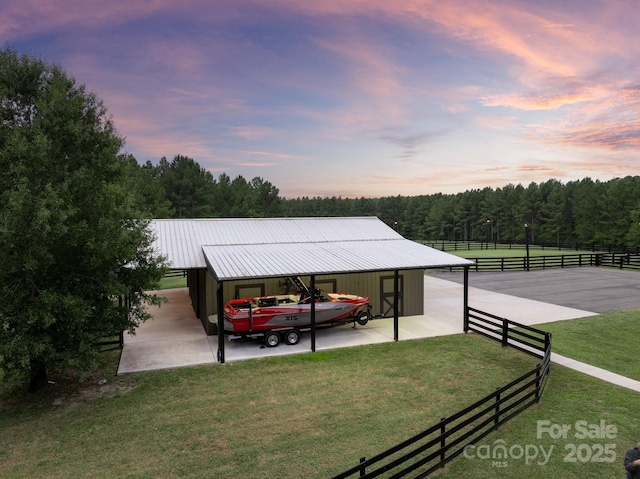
(374, 332)
(347, 336)
(176, 338)
(254, 349)
(152, 355)
(172, 320)
(173, 338)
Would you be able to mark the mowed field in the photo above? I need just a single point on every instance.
(310, 415)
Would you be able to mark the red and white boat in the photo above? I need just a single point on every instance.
(285, 315)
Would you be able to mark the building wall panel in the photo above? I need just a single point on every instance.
(363, 284)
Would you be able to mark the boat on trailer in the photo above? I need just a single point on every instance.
(285, 316)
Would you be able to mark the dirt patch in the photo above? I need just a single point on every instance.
(69, 388)
(103, 389)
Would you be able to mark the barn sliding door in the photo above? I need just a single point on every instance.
(386, 296)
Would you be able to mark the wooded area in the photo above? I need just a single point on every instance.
(583, 211)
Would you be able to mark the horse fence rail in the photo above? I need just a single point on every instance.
(460, 245)
(615, 260)
(433, 448)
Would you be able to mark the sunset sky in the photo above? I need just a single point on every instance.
(357, 97)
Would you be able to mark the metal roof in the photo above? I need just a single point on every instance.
(273, 247)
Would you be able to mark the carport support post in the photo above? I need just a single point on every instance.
(465, 299)
(220, 299)
(395, 304)
(313, 313)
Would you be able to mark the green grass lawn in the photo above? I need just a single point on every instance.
(577, 401)
(607, 341)
(301, 416)
(172, 282)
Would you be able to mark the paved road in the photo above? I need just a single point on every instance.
(599, 290)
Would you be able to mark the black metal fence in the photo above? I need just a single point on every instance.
(523, 263)
(448, 245)
(620, 260)
(176, 273)
(433, 448)
(113, 342)
(123, 301)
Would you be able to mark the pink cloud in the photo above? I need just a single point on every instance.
(276, 156)
(550, 40)
(533, 101)
(376, 90)
(497, 122)
(151, 145)
(25, 17)
(607, 134)
(22, 18)
(252, 133)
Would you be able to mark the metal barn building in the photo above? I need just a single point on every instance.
(236, 258)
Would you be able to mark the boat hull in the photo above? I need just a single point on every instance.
(247, 316)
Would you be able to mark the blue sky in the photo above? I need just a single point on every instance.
(361, 97)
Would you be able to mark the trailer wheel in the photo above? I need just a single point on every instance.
(292, 337)
(272, 339)
(362, 318)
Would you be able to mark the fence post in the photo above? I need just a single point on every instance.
(539, 376)
(547, 341)
(505, 332)
(442, 440)
(363, 469)
(465, 299)
(497, 419)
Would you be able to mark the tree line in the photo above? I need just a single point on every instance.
(181, 188)
(581, 211)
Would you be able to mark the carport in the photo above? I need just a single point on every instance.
(175, 338)
(237, 250)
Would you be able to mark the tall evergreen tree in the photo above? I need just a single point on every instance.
(150, 194)
(189, 187)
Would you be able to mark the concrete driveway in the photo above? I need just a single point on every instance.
(596, 289)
